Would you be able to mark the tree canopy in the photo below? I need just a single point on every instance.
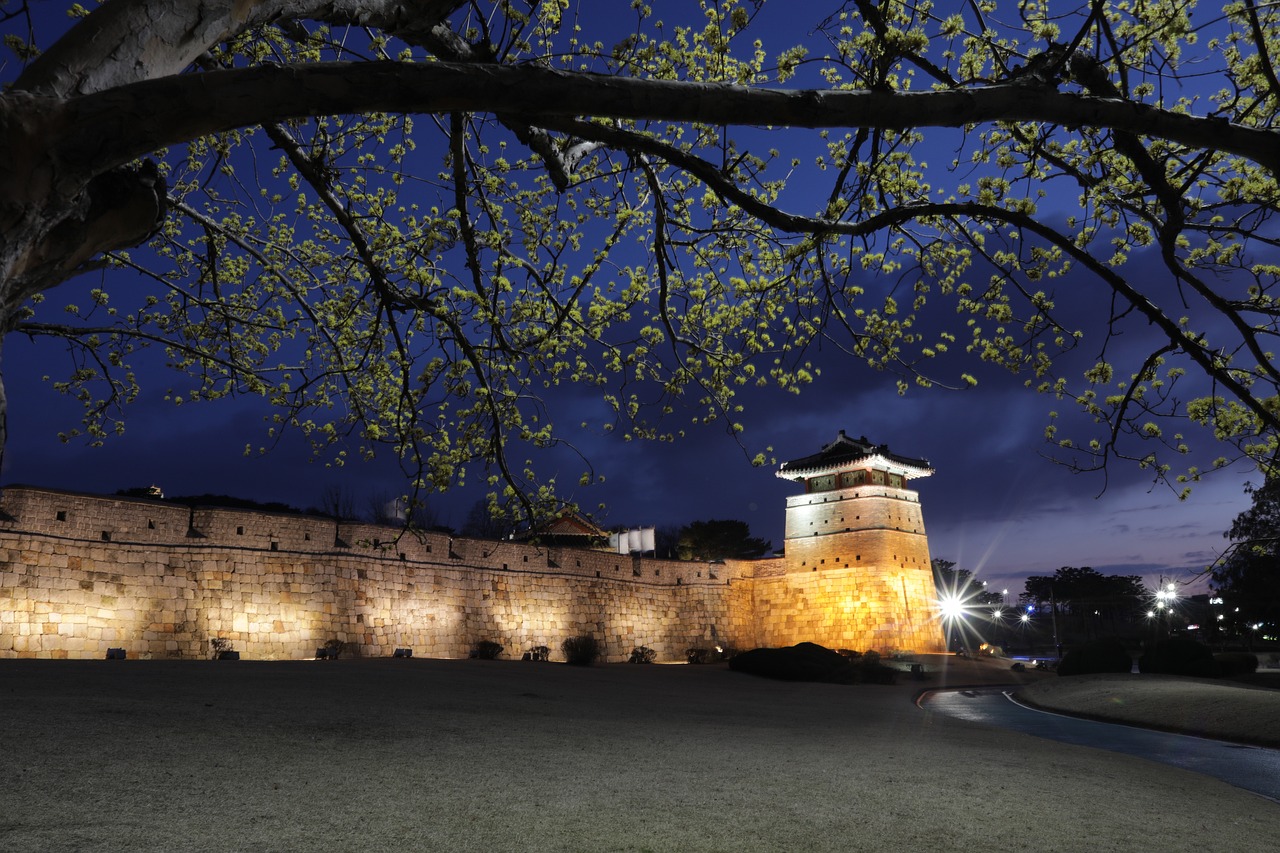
(719, 539)
(1088, 599)
(959, 585)
(1246, 576)
(417, 227)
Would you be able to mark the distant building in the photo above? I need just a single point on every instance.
(569, 529)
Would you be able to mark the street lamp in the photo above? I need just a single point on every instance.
(1166, 599)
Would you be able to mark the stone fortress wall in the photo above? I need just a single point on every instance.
(81, 574)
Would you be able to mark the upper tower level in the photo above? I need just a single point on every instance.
(857, 510)
(850, 462)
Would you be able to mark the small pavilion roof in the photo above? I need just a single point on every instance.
(845, 453)
(569, 523)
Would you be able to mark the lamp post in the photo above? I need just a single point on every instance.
(1053, 612)
(1166, 598)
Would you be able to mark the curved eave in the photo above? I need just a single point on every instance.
(877, 461)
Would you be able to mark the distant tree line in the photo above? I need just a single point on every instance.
(1247, 577)
(1086, 602)
(961, 584)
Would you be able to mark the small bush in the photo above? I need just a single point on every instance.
(698, 655)
(642, 654)
(581, 651)
(871, 671)
(486, 650)
(1104, 655)
(331, 650)
(220, 646)
(538, 653)
(1179, 656)
(1236, 663)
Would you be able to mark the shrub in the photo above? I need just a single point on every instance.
(1179, 656)
(1104, 655)
(538, 653)
(1236, 663)
(871, 671)
(801, 662)
(642, 654)
(330, 650)
(701, 655)
(486, 650)
(581, 651)
(220, 647)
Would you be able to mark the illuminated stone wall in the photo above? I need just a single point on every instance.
(868, 527)
(81, 574)
(849, 609)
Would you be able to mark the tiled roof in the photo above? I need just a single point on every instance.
(568, 523)
(844, 451)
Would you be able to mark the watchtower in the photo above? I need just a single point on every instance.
(858, 532)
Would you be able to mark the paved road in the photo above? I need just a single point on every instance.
(1250, 767)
